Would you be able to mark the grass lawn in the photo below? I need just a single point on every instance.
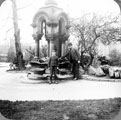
(104, 109)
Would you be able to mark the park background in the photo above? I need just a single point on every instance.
(26, 10)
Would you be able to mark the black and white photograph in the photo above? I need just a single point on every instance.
(60, 59)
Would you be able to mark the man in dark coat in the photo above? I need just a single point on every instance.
(53, 64)
(74, 58)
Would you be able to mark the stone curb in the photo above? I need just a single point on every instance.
(100, 79)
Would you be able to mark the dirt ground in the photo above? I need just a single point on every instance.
(16, 86)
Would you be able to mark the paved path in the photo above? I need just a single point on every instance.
(16, 86)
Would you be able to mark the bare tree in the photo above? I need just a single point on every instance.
(90, 30)
(19, 54)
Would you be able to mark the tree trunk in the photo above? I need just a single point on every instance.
(19, 54)
(89, 61)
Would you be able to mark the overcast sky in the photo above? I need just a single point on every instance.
(74, 8)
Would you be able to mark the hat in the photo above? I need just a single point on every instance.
(53, 51)
(69, 44)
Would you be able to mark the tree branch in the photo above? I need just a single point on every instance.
(96, 36)
(108, 23)
(82, 37)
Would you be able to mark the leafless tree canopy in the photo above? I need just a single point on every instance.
(89, 30)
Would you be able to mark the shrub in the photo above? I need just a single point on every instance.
(115, 57)
(29, 54)
(10, 55)
(43, 51)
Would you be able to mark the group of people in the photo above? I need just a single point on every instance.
(74, 58)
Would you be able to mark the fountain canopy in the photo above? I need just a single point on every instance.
(52, 22)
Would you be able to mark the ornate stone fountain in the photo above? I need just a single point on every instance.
(52, 22)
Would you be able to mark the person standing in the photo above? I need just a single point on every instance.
(53, 64)
(74, 58)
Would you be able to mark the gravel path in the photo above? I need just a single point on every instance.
(16, 86)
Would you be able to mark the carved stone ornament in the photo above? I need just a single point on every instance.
(34, 36)
(48, 37)
(68, 26)
(52, 24)
(34, 25)
(37, 36)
